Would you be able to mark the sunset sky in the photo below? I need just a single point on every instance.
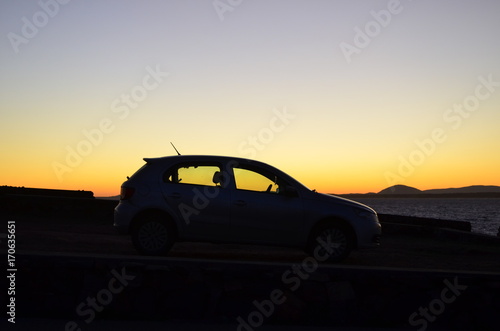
(345, 96)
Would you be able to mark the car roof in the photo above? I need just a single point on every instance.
(198, 158)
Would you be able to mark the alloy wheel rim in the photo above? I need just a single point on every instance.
(332, 242)
(153, 236)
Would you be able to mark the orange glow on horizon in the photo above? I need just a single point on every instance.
(105, 180)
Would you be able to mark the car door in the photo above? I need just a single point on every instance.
(259, 213)
(195, 192)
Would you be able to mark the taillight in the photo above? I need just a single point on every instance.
(126, 193)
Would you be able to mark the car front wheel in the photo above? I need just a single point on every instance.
(152, 235)
(331, 243)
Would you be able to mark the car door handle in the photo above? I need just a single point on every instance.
(174, 195)
(240, 203)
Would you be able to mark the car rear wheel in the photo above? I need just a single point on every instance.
(331, 243)
(152, 235)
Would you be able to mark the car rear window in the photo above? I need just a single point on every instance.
(194, 174)
(140, 170)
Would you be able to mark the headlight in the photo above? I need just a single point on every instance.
(366, 214)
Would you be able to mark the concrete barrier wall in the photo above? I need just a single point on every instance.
(80, 289)
(46, 192)
(427, 222)
(94, 210)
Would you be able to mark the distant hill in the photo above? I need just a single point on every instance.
(468, 189)
(475, 189)
(400, 189)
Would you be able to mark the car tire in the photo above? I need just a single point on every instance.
(153, 235)
(331, 243)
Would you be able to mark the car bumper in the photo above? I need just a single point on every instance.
(370, 236)
(122, 218)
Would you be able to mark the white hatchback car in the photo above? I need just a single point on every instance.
(235, 200)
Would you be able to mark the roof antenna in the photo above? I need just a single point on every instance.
(175, 148)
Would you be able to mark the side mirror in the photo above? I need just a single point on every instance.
(289, 191)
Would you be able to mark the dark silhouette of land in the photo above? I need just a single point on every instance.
(404, 191)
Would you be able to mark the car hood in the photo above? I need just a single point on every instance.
(328, 198)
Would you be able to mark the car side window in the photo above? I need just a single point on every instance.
(194, 174)
(255, 180)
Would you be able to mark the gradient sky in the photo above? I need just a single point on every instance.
(414, 98)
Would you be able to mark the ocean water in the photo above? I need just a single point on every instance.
(483, 213)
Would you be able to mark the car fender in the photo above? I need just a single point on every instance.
(327, 210)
